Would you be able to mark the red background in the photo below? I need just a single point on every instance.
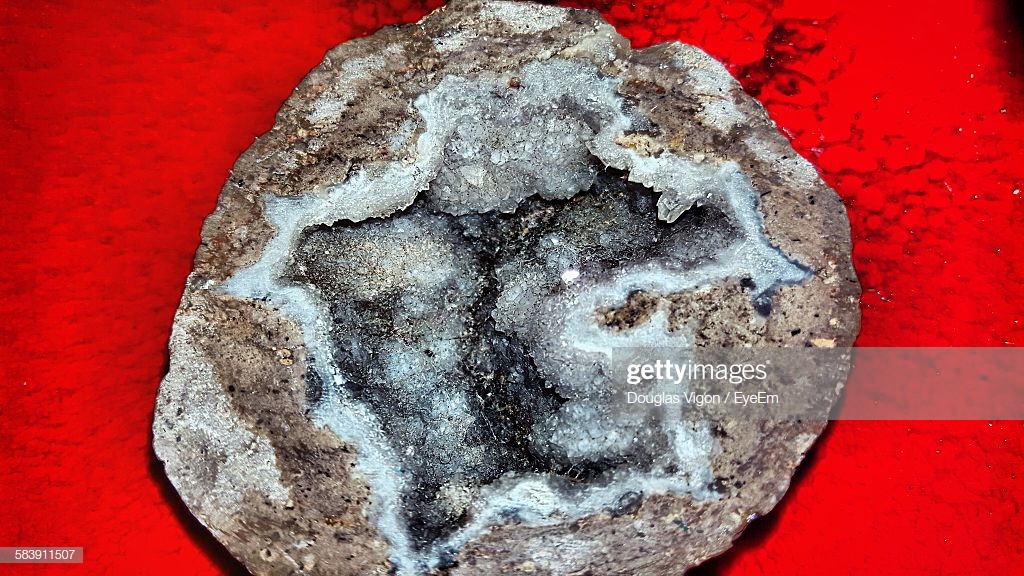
(120, 123)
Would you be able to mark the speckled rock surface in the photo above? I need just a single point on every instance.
(391, 353)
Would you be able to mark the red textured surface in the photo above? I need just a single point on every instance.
(119, 124)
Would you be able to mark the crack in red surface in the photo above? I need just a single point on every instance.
(120, 124)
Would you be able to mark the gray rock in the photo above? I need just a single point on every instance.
(393, 353)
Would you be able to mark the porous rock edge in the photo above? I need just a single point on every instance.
(231, 423)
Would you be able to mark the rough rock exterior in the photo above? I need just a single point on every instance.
(392, 355)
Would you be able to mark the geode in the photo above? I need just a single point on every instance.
(393, 353)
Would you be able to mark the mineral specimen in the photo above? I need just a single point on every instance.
(393, 353)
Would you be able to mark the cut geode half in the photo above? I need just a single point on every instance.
(393, 353)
